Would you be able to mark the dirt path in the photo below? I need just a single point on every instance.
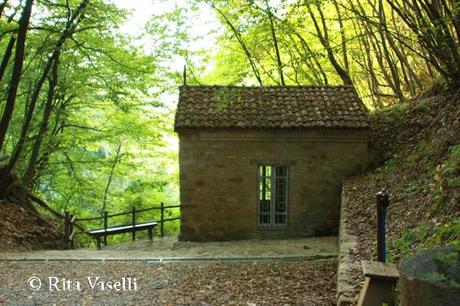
(148, 283)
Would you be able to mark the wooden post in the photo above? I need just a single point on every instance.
(66, 228)
(134, 223)
(105, 216)
(150, 231)
(71, 231)
(162, 211)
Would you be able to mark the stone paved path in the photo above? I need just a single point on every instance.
(169, 247)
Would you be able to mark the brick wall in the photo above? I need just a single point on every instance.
(218, 180)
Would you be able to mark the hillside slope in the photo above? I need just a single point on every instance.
(415, 151)
(22, 230)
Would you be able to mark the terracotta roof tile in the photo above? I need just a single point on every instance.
(269, 107)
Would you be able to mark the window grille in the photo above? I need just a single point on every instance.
(272, 195)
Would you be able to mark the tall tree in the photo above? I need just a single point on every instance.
(71, 25)
(16, 73)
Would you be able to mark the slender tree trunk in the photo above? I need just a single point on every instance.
(324, 39)
(392, 66)
(275, 43)
(312, 74)
(308, 56)
(400, 51)
(30, 171)
(112, 171)
(376, 42)
(240, 41)
(368, 62)
(16, 74)
(6, 56)
(55, 130)
(309, 52)
(383, 31)
(343, 37)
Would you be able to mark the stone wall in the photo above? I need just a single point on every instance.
(348, 267)
(218, 180)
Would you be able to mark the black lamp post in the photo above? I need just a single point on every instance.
(383, 200)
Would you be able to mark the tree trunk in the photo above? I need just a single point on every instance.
(112, 171)
(30, 171)
(6, 56)
(342, 37)
(16, 74)
(241, 42)
(324, 39)
(275, 43)
(383, 31)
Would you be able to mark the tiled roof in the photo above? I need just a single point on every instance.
(207, 107)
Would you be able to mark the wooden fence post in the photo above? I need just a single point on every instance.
(134, 223)
(105, 215)
(162, 211)
(66, 229)
(71, 233)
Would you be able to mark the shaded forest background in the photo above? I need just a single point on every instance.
(84, 121)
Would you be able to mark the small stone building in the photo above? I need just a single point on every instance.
(266, 162)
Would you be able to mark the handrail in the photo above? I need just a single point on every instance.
(71, 220)
(88, 219)
(171, 219)
(126, 213)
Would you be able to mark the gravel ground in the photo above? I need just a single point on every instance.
(204, 283)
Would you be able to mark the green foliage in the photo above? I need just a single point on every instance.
(107, 97)
(404, 245)
(225, 98)
(425, 236)
(308, 35)
(434, 276)
(387, 167)
(451, 167)
(111, 91)
(447, 268)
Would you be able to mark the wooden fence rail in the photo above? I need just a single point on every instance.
(70, 222)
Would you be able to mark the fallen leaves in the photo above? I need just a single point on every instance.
(20, 230)
(211, 283)
(407, 147)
